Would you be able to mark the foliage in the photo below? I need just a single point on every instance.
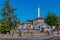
(58, 21)
(51, 19)
(9, 19)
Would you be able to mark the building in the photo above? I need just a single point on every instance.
(36, 24)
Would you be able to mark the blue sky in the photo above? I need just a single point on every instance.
(27, 9)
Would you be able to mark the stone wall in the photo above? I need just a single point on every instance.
(28, 33)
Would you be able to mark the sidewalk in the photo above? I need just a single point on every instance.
(29, 38)
(50, 36)
(34, 37)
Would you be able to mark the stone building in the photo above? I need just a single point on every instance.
(37, 23)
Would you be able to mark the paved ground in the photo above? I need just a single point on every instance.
(55, 38)
(17, 39)
(33, 38)
(20, 38)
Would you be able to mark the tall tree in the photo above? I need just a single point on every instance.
(51, 19)
(9, 18)
(58, 25)
(58, 22)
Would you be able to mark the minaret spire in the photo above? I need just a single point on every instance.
(38, 11)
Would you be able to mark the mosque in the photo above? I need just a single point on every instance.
(36, 24)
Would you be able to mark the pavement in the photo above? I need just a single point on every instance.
(51, 37)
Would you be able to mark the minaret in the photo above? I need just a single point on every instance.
(38, 12)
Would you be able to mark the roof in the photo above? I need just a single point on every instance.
(39, 18)
(44, 24)
(29, 20)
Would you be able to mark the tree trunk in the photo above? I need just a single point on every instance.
(57, 30)
(52, 30)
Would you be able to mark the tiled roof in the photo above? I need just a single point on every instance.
(38, 18)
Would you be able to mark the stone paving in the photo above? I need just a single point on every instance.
(34, 38)
(31, 38)
(42, 36)
(17, 39)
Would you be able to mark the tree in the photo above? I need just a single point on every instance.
(58, 22)
(9, 19)
(51, 19)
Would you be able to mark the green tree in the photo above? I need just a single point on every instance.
(9, 19)
(51, 19)
(58, 25)
(58, 22)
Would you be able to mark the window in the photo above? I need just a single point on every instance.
(39, 27)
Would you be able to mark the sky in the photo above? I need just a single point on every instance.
(27, 9)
